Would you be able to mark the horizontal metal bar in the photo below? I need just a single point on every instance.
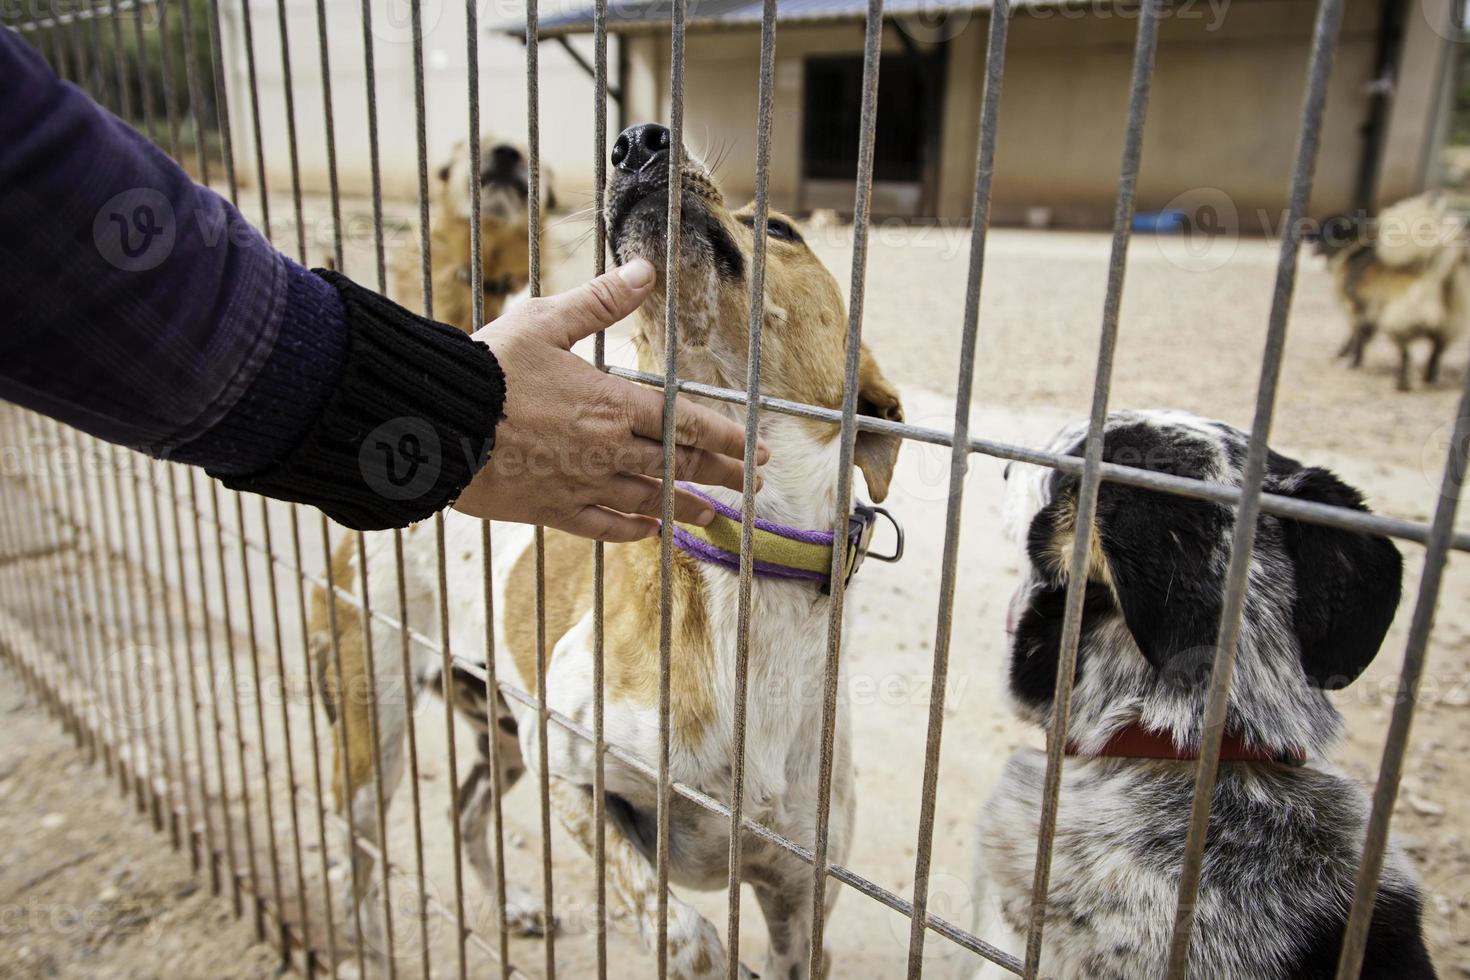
(1301, 510)
(92, 13)
(845, 875)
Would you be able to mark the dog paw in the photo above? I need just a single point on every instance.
(529, 921)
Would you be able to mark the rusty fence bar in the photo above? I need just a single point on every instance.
(150, 557)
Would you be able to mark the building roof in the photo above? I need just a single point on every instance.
(646, 16)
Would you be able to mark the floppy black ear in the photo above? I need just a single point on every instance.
(1348, 584)
(1163, 559)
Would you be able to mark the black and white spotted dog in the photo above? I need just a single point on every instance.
(1287, 827)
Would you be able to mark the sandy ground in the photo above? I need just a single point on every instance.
(1191, 338)
(86, 890)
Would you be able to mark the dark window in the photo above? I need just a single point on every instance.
(832, 118)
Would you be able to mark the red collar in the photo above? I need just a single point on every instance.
(1137, 742)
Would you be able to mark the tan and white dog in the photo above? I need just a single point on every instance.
(505, 235)
(804, 344)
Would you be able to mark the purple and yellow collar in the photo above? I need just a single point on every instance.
(780, 551)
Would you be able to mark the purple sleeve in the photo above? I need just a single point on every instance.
(138, 305)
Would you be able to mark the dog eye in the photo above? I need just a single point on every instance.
(776, 228)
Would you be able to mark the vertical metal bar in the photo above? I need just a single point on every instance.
(150, 663)
(477, 305)
(248, 819)
(119, 582)
(330, 132)
(119, 57)
(599, 556)
(148, 666)
(167, 56)
(283, 30)
(212, 679)
(172, 658)
(145, 84)
(492, 701)
(344, 700)
(92, 600)
(222, 101)
(766, 87)
(411, 729)
(872, 46)
(426, 284)
(253, 84)
(666, 502)
(316, 754)
(76, 636)
(267, 791)
(294, 154)
(370, 669)
(959, 463)
(82, 77)
(371, 81)
(30, 587)
(196, 95)
(1324, 43)
(1390, 771)
(176, 506)
(201, 773)
(446, 666)
(59, 59)
(533, 206)
(1145, 46)
(102, 90)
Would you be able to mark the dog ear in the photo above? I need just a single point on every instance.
(874, 453)
(1348, 584)
(1158, 554)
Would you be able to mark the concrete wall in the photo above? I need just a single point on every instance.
(1221, 128)
(566, 91)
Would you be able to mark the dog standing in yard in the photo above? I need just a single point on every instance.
(1287, 827)
(804, 353)
(1405, 273)
(505, 235)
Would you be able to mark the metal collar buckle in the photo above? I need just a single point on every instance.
(860, 525)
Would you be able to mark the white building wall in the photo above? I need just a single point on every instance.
(566, 92)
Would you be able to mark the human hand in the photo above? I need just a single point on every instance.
(580, 450)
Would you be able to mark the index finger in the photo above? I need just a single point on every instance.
(694, 426)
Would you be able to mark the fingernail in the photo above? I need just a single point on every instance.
(762, 455)
(638, 273)
(704, 518)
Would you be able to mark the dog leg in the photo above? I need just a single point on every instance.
(786, 903)
(1431, 366)
(695, 949)
(1361, 335)
(1403, 376)
(524, 915)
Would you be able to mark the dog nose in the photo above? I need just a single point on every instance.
(504, 156)
(637, 146)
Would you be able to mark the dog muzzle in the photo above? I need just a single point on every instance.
(782, 552)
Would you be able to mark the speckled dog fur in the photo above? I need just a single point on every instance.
(1284, 838)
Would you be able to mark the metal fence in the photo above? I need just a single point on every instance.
(147, 549)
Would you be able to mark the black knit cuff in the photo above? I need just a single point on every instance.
(410, 423)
